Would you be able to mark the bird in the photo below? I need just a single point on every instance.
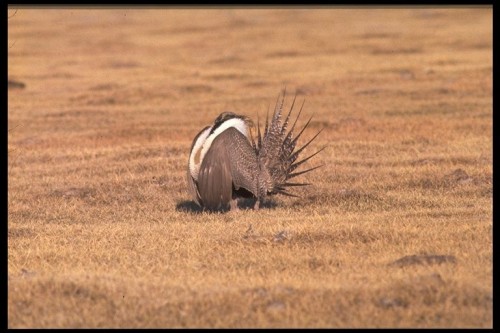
(226, 163)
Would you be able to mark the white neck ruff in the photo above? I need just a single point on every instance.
(205, 140)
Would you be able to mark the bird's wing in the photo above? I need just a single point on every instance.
(230, 160)
(243, 160)
(214, 180)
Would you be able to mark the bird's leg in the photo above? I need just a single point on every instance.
(257, 204)
(234, 205)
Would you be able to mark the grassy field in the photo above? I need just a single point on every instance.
(396, 230)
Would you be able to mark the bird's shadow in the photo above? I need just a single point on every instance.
(189, 206)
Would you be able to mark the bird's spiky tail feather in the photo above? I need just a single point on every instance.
(276, 150)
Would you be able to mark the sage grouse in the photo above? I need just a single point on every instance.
(225, 162)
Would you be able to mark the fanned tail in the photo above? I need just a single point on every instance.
(276, 149)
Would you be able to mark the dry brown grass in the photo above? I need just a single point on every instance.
(103, 106)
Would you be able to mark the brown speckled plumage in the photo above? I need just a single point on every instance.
(233, 164)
